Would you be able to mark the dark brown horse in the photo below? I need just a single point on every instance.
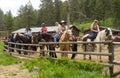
(45, 37)
(21, 38)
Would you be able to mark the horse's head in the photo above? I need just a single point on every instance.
(67, 35)
(109, 33)
(34, 38)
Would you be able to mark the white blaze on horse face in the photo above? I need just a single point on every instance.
(110, 31)
(111, 35)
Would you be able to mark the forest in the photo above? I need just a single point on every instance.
(50, 11)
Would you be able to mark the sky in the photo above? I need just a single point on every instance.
(14, 5)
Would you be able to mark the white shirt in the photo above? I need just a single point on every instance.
(29, 33)
(58, 28)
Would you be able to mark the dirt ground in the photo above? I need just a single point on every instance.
(15, 71)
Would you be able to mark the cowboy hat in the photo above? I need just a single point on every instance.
(63, 22)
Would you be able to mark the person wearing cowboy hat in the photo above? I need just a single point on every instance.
(61, 28)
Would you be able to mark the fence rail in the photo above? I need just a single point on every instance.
(110, 52)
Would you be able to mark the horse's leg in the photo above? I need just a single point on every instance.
(74, 48)
(85, 49)
(42, 52)
(66, 48)
(100, 52)
(91, 48)
(25, 48)
(12, 45)
(18, 47)
(52, 54)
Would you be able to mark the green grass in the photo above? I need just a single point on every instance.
(107, 22)
(83, 26)
(7, 59)
(65, 68)
(1, 46)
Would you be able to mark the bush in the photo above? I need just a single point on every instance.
(65, 68)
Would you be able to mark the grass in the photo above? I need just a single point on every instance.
(7, 59)
(65, 68)
(1, 46)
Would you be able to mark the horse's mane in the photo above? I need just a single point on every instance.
(66, 35)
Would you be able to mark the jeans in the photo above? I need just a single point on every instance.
(56, 37)
(93, 35)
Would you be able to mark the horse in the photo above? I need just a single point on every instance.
(22, 38)
(116, 38)
(101, 36)
(65, 37)
(45, 37)
(34, 41)
(87, 46)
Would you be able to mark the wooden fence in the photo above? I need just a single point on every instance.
(110, 52)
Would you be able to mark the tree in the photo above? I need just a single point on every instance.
(116, 13)
(57, 6)
(9, 22)
(26, 15)
(1, 20)
(47, 12)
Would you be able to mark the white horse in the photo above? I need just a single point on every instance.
(101, 36)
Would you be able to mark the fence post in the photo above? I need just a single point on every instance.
(41, 49)
(8, 46)
(85, 50)
(111, 58)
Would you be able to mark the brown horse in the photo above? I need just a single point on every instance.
(116, 38)
(45, 37)
(65, 37)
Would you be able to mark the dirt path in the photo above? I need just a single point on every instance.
(15, 71)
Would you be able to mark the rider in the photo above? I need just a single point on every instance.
(57, 35)
(44, 28)
(61, 28)
(28, 32)
(94, 29)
